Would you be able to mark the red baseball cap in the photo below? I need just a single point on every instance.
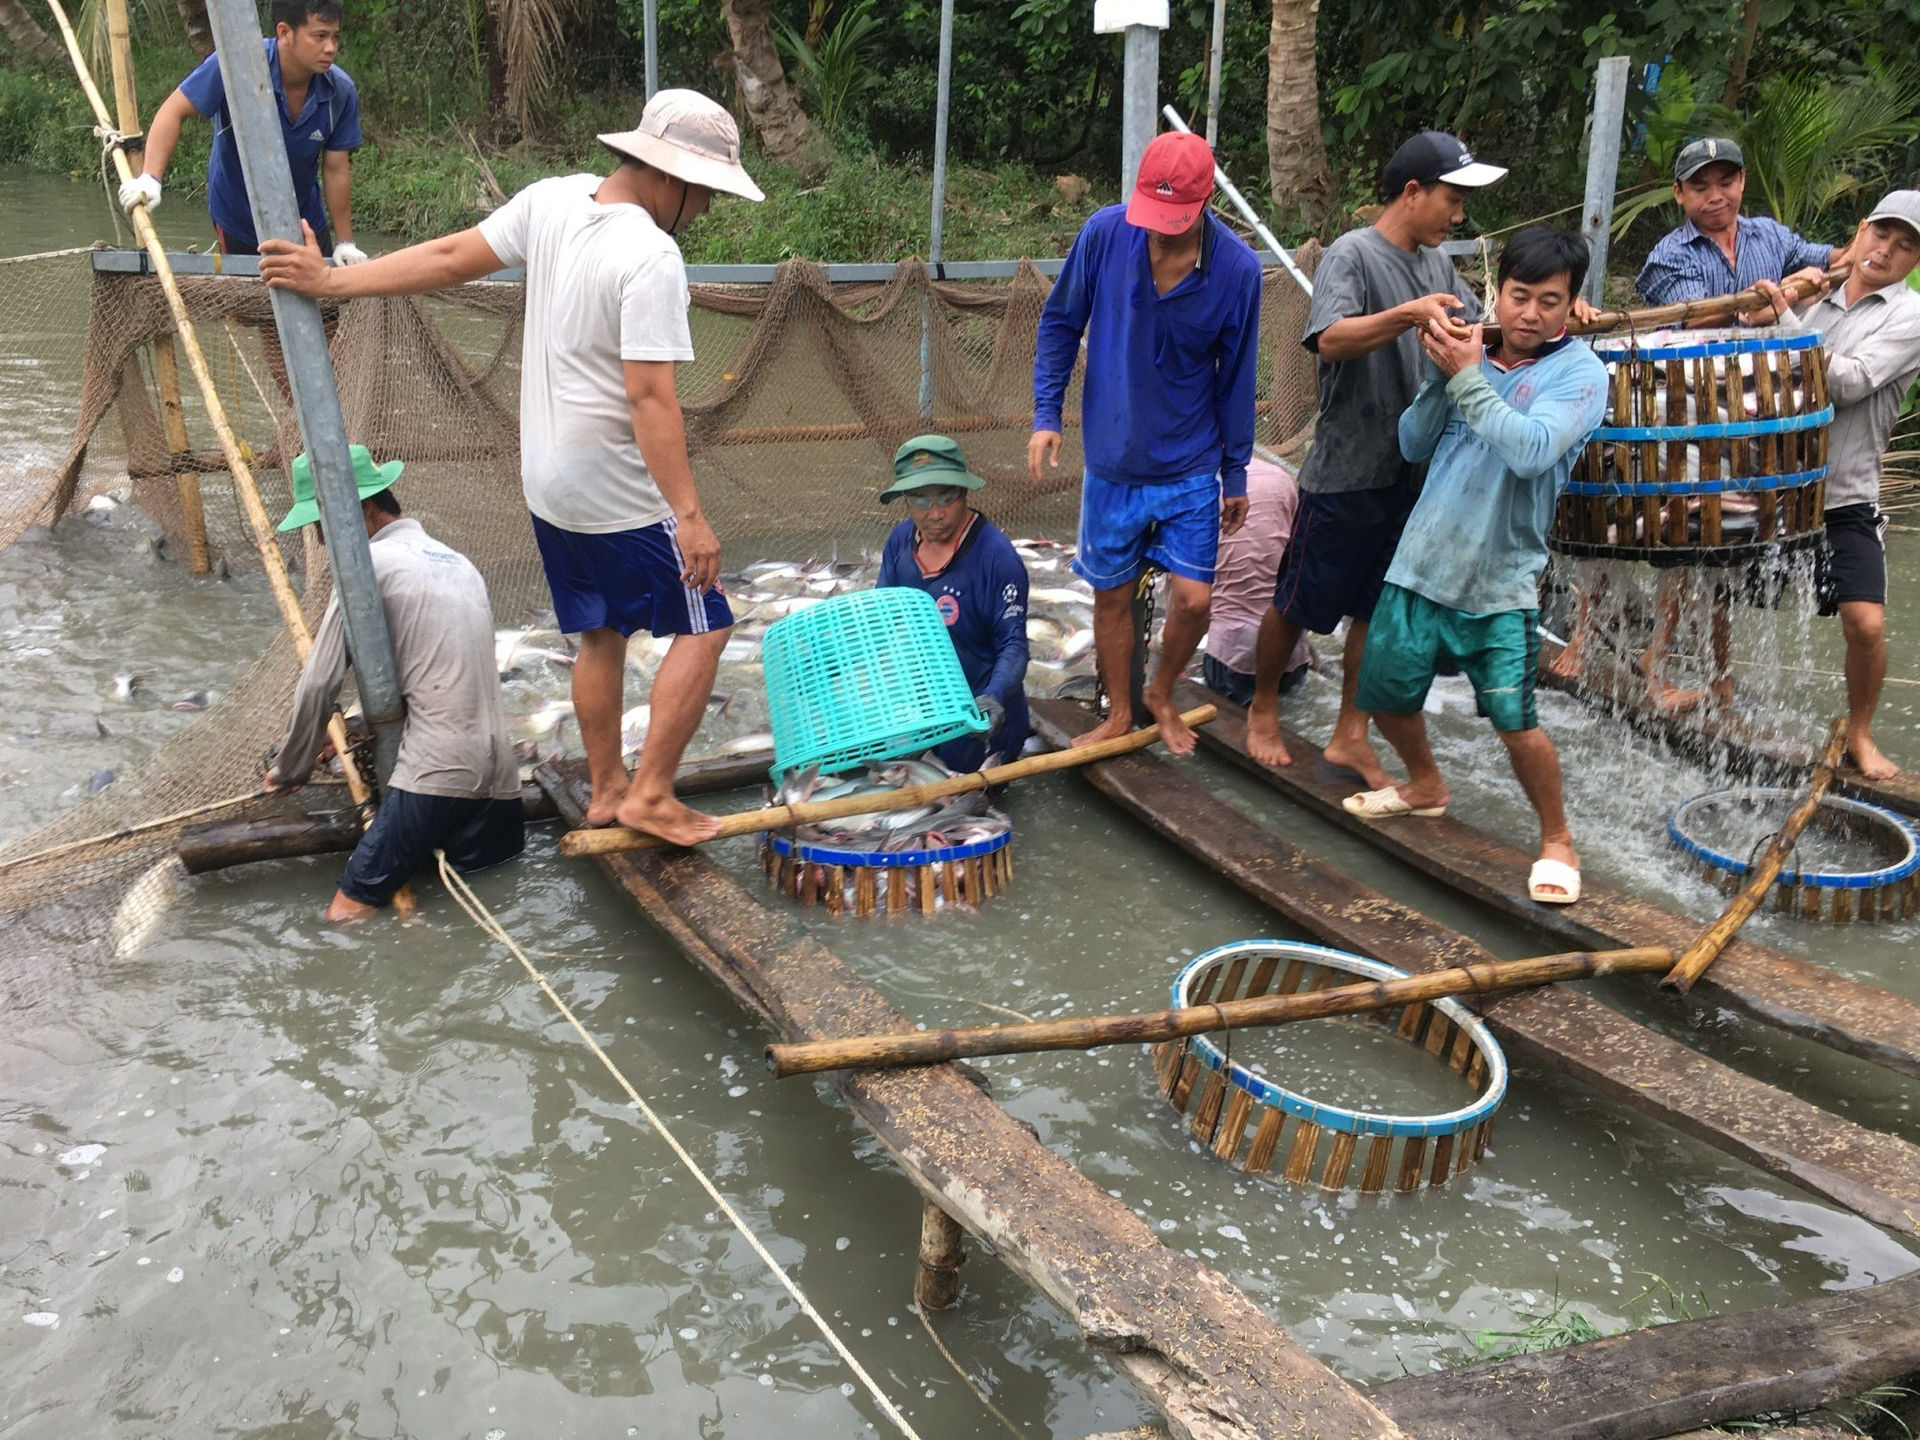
(1174, 184)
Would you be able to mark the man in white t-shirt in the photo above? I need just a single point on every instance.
(603, 448)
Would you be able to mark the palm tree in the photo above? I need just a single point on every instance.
(23, 32)
(523, 38)
(772, 106)
(193, 19)
(1297, 173)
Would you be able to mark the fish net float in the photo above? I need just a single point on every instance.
(1713, 451)
(1261, 1126)
(1854, 861)
(890, 882)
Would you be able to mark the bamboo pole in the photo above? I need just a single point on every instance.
(244, 486)
(615, 838)
(1715, 938)
(127, 832)
(1716, 307)
(166, 369)
(931, 1047)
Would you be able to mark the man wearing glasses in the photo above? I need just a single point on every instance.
(959, 557)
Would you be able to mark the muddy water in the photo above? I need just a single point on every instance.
(272, 1179)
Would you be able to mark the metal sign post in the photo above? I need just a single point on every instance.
(937, 237)
(1141, 21)
(650, 22)
(255, 112)
(1603, 168)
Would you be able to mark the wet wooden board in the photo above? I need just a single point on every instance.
(1765, 757)
(1790, 1358)
(1199, 1349)
(1874, 1175)
(1808, 1000)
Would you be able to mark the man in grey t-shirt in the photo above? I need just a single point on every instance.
(1376, 290)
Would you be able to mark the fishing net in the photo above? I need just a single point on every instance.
(802, 391)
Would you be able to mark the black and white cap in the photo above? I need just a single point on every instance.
(1432, 156)
(1696, 155)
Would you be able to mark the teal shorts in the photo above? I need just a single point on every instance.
(1409, 636)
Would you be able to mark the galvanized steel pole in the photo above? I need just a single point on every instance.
(1216, 62)
(650, 22)
(1247, 212)
(1140, 107)
(256, 115)
(1603, 168)
(936, 239)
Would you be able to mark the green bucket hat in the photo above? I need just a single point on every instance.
(929, 460)
(369, 477)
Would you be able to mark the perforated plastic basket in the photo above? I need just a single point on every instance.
(867, 676)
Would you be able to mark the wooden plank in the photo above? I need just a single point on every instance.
(1808, 1000)
(1790, 1358)
(1874, 1175)
(1216, 1365)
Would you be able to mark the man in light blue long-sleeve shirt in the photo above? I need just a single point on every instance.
(1501, 429)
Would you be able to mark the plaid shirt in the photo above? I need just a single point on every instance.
(1689, 265)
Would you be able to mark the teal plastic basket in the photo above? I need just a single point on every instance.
(867, 676)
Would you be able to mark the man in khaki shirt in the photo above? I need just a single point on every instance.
(1871, 329)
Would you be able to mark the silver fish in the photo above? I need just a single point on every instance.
(146, 904)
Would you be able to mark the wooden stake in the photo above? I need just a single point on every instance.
(930, 1047)
(615, 838)
(166, 368)
(1715, 938)
(942, 1253)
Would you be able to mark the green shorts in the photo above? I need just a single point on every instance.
(1499, 653)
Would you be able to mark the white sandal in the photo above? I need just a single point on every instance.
(1563, 877)
(1385, 804)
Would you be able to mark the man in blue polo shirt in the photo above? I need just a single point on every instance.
(319, 115)
(959, 557)
(1168, 299)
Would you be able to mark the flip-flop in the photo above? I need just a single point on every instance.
(1557, 873)
(1385, 804)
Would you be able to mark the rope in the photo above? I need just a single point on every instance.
(484, 918)
(111, 140)
(979, 1392)
(47, 255)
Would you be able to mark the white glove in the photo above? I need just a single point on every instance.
(348, 253)
(141, 190)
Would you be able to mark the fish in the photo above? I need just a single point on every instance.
(740, 649)
(1075, 645)
(124, 686)
(747, 744)
(1061, 596)
(145, 905)
(100, 510)
(194, 700)
(633, 727)
(100, 781)
(79, 727)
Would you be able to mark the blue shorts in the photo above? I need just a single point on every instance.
(474, 831)
(1337, 558)
(1176, 526)
(627, 580)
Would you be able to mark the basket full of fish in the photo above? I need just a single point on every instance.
(954, 851)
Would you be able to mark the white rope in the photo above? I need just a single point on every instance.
(481, 916)
(47, 255)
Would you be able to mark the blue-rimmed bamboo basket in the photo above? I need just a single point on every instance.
(1714, 451)
(894, 882)
(1253, 1122)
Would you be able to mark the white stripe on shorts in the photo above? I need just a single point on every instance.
(696, 602)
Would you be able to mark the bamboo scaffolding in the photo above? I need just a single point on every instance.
(931, 1047)
(1715, 938)
(291, 615)
(614, 839)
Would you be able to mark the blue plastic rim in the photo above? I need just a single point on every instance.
(1743, 485)
(1338, 1117)
(886, 859)
(1710, 343)
(863, 677)
(1896, 824)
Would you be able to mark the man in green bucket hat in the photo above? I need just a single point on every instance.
(975, 576)
(456, 783)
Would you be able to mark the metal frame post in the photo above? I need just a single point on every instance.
(650, 24)
(1247, 212)
(255, 112)
(1216, 62)
(1141, 21)
(1603, 168)
(937, 236)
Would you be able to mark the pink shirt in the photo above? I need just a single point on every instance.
(1249, 563)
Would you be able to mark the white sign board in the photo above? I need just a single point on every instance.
(1110, 17)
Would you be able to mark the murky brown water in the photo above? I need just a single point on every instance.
(271, 1179)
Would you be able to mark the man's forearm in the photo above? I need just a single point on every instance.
(1359, 335)
(339, 197)
(431, 265)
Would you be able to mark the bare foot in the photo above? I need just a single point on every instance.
(1116, 724)
(665, 816)
(1175, 733)
(1360, 759)
(1868, 759)
(604, 806)
(1672, 700)
(1569, 663)
(1263, 733)
(345, 908)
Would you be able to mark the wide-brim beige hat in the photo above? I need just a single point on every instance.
(691, 138)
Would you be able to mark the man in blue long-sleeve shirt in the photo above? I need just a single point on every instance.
(1502, 430)
(1168, 299)
(959, 557)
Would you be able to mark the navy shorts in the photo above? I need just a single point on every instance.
(1852, 567)
(627, 580)
(1337, 558)
(1176, 526)
(474, 831)
(1237, 685)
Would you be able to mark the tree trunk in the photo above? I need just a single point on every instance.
(193, 18)
(1742, 53)
(1297, 172)
(23, 32)
(772, 107)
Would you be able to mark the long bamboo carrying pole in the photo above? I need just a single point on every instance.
(1716, 307)
(265, 542)
(1715, 938)
(614, 839)
(930, 1047)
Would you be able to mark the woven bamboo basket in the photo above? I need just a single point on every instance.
(890, 882)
